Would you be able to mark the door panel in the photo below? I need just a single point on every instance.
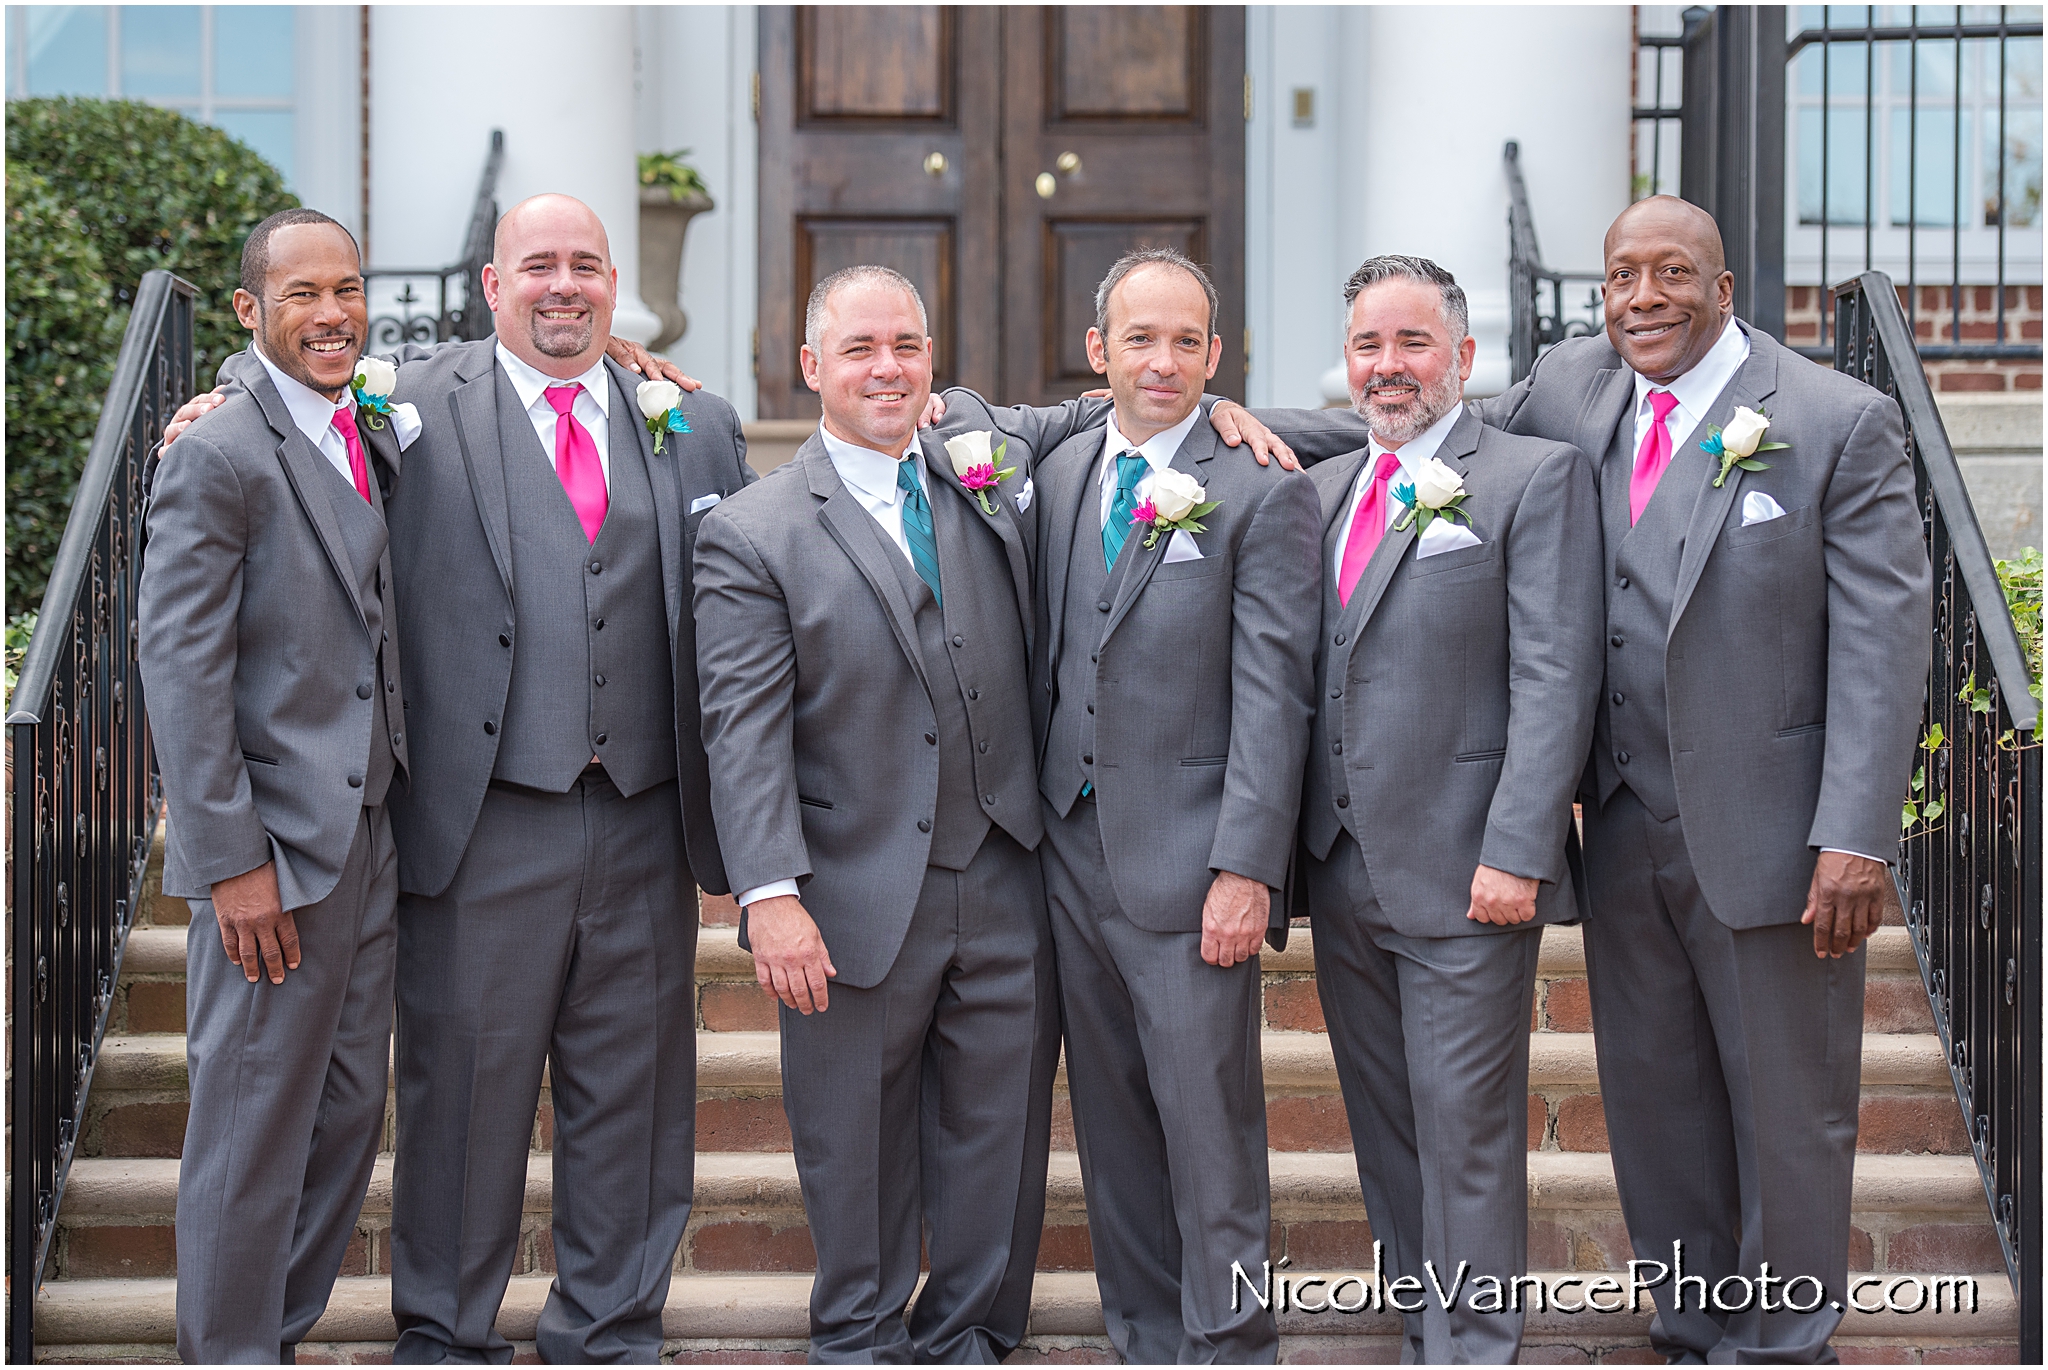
(922, 249)
(838, 76)
(1079, 253)
(1125, 62)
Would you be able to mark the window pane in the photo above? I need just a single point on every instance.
(2023, 69)
(159, 50)
(1846, 181)
(67, 48)
(2022, 167)
(1927, 187)
(267, 131)
(252, 50)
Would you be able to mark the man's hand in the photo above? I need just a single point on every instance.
(790, 960)
(1844, 903)
(255, 932)
(191, 409)
(1501, 899)
(934, 410)
(1234, 919)
(634, 357)
(1234, 424)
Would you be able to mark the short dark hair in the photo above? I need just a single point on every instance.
(256, 251)
(1150, 256)
(1394, 266)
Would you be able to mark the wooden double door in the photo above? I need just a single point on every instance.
(1002, 158)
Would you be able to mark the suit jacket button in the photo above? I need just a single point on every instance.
(1336, 692)
(1614, 641)
(390, 687)
(974, 694)
(355, 782)
(924, 825)
(984, 746)
(932, 738)
(600, 680)
(398, 739)
(959, 641)
(597, 568)
(1616, 697)
(989, 800)
(1622, 584)
(363, 692)
(1339, 640)
(490, 728)
(1622, 757)
(1091, 708)
(1094, 658)
(1337, 747)
(504, 639)
(1087, 758)
(602, 738)
(1102, 605)
(387, 635)
(1343, 801)
(599, 625)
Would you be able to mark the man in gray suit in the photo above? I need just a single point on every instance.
(272, 688)
(862, 623)
(1456, 677)
(1171, 679)
(1736, 836)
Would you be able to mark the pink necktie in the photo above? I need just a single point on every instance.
(358, 467)
(576, 461)
(1652, 457)
(1367, 526)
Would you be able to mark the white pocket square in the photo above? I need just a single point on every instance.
(704, 502)
(1024, 495)
(1442, 536)
(1181, 547)
(1758, 507)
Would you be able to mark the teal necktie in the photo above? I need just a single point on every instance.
(917, 525)
(1130, 468)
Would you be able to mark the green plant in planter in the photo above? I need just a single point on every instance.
(668, 171)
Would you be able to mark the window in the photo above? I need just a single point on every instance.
(229, 65)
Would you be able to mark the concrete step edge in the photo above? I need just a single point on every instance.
(143, 1312)
(1303, 1183)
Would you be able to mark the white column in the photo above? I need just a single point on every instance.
(442, 77)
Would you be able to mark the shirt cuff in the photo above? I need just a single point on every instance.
(773, 890)
(1844, 851)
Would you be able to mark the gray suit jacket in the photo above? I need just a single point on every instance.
(817, 706)
(450, 545)
(253, 646)
(1455, 693)
(1201, 662)
(1796, 661)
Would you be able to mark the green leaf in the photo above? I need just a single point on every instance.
(1202, 509)
(1774, 447)
(1752, 464)
(1933, 809)
(1934, 737)
(1919, 779)
(1908, 816)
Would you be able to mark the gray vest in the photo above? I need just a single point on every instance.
(364, 534)
(1091, 589)
(1642, 583)
(591, 667)
(1324, 777)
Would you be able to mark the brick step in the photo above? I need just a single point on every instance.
(152, 992)
(754, 1317)
(1909, 1212)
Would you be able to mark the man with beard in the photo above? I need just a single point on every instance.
(1736, 838)
(1456, 674)
(273, 685)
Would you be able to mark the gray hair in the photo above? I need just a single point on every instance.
(1150, 256)
(869, 274)
(1393, 266)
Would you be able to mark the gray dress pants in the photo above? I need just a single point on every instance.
(1169, 1115)
(922, 1107)
(1730, 1065)
(1431, 1036)
(287, 1087)
(565, 942)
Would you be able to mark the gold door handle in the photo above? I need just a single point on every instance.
(1069, 163)
(935, 163)
(1045, 185)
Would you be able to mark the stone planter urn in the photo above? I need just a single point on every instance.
(663, 222)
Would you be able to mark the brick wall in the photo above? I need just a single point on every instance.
(1937, 324)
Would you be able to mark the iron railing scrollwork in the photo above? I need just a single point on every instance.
(1540, 306)
(84, 786)
(431, 304)
(1969, 878)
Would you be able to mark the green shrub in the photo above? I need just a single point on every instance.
(62, 335)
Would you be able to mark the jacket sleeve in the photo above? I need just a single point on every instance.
(1316, 434)
(1037, 429)
(1276, 611)
(1879, 636)
(746, 681)
(189, 622)
(1555, 611)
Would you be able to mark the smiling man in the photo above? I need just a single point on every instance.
(861, 619)
(273, 687)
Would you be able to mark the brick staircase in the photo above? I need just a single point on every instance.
(743, 1273)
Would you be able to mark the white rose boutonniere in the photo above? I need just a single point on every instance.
(660, 404)
(1174, 502)
(374, 381)
(1738, 443)
(1438, 492)
(979, 469)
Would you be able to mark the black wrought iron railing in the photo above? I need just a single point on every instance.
(1969, 877)
(84, 791)
(1543, 307)
(440, 303)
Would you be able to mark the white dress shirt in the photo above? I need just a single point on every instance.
(1695, 391)
(313, 414)
(1413, 455)
(592, 406)
(870, 477)
(1157, 450)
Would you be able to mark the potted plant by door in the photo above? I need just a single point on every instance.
(671, 194)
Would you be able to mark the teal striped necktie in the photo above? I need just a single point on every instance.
(917, 525)
(1130, 469)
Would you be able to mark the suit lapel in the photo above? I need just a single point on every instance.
(1607, 401)
(666, 481)
(306, 470)
(380, 445)
(854, 529)
(1136, 563)
(1756, 382)
(939, 467)
(1065, 488)
(1456, 452)
(474, 407)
